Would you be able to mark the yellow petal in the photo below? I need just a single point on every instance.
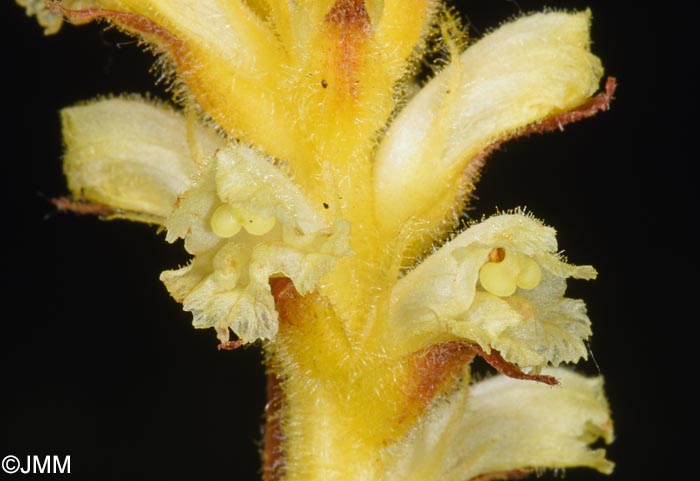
(133, 155)
(485, 320)
(523, 72)
(397, 33)
(503, 425)
(311, 82)
(225, 55)
(442, 299)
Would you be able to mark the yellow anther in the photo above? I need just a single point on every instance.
(498, 276)
(225, 222)
(497, 280)
(530, 273)
(506, 271)
(257, 225)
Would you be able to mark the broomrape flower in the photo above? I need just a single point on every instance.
(319, 192)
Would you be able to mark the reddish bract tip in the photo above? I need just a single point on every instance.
(509, 369)
(229, 345)
(81, 207)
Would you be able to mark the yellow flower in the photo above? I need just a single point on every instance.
(319, 192)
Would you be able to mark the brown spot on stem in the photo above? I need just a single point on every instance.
(348, 25)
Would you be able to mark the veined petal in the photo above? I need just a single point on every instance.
(228, 287)
(133, 155)
(245, 221)
(223, 52)
(551, 328)
(458, 293)
(502, 425)
(523, 72)
(300, 79)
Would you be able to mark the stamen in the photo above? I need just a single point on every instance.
(505, 271)
(225, 222)
(257, 225)
(498, 277)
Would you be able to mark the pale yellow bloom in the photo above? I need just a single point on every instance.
(448, 296)
(319, 193)
(245, 221)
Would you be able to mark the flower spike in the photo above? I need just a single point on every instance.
(317, 189)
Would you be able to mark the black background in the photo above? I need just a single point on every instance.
(96, 360)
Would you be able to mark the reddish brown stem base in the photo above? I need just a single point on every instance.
(273, 455)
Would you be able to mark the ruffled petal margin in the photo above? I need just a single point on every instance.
(245, 221)
(501, 426)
